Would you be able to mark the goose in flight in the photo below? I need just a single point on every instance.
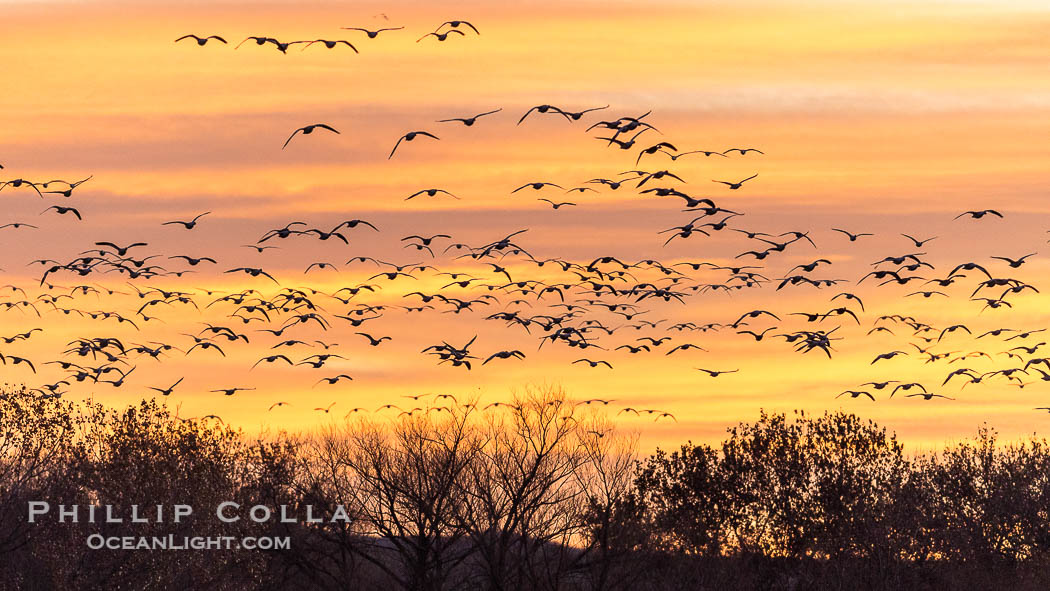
(951, 329)
(753, 314)
(715, 374)
(430, 193)
(657, 148)
(231, 391)
(259, 249)
(505, 355)
(468, 121)
(707, 153)
(918, 243)
(372, 34)
(272, 359)
(757, 336)
(167, 391)
(557, 205)
(351, 224)
(907, 387)
(283, 47)
(928, 396)
(17, 360)
(64, 210)
(319, 265)
(16, 183)
(193, 262)
(334, 379)
(537, 186)
(979, 214)
(307, 130)
(202, 41)
(121, 250)
(425, 240)
(857, 394)
(575, 116)
(68, 191)
(969, 267)
(188, 225)
(743, 151)
(592, 363)
(1015, 263)
(409, 137)
(736, 185)
(852, 237)
(455, 25)
(253, 272)
(372, 340)
(686, 347)
(889, 355)
(623, 145)
(544, 109)
(328, 43)
(441, 36)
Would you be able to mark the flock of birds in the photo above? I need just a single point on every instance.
(441, 33)
(604, 308)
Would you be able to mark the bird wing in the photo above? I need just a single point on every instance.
(394, 150)
(290, 138)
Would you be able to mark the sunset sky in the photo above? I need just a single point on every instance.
(874, 117)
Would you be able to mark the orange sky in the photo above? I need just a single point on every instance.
(880, 119)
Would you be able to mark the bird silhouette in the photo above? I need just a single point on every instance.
(468, 121)
(188, 225)
(736, 185)
(441, 36)
(372, 34)
(410, 136)
(715, 373)
(202, 41)
(457, 23)
(328, 43)
(308, 129)
(979, 214)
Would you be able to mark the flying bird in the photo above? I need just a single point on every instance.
(714, 373)
(736, 185)
(307, 130)
(63, 210)
(979, 214)
(372, 34)
(441, 36)
(409, 137)
(592, 363)
(1015, 263)
(188, 225)
(328, 43)
(918, 243)
(469, 121)
(852, 237)
(202, 41)
(455, 25)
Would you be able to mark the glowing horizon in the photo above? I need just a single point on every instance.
(871, 119)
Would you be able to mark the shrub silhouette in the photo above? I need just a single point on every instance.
(539, 494)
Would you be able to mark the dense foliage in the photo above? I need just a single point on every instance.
(541, 495)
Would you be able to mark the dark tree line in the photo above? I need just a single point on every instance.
(542, 495)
